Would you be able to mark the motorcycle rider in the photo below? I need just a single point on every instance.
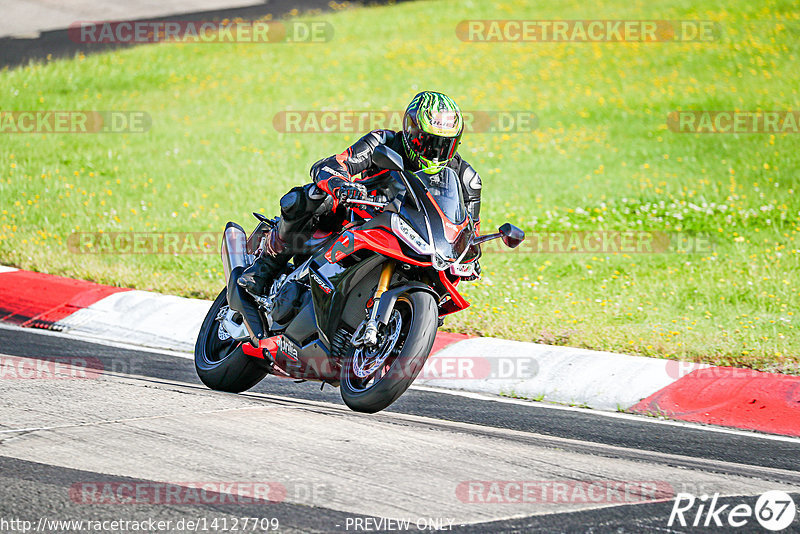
(432, 129)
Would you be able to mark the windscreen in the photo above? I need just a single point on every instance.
(445, 188)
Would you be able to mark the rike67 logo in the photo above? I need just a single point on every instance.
(774, 511)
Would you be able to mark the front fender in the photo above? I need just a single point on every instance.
(389, 297)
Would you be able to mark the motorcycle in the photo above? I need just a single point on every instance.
(359, 307)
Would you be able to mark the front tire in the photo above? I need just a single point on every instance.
(221, 363)
(418, 316)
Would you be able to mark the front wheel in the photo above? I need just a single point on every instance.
(373, 378)
(219, 359)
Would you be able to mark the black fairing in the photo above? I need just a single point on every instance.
(347, 282)
(337, 299)
(287, 302)
(300, 351)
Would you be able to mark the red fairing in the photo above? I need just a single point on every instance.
(375, 239)
(270, 345)
(384, 243)
(387, 244)
(456, 302)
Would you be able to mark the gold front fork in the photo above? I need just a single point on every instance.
(370, 335)
(386, 277)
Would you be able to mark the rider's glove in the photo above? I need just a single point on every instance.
(352, 191)
(344, 190)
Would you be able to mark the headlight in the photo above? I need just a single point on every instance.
(410, 237)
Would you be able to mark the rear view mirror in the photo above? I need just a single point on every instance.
(386, 158)
(512, 236)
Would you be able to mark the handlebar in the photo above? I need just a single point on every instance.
(366, 202)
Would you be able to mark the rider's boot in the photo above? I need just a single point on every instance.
(257, 278)
(295, 226)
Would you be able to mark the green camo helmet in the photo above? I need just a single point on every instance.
(432, 128)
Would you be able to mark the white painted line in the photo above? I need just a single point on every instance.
(4, 269)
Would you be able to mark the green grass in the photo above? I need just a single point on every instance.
(602, 158)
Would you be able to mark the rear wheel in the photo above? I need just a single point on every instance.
(219, 359)
(372, 379)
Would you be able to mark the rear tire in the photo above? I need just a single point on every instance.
(222, 364)
(371, 395)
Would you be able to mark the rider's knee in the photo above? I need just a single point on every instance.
(293, 204)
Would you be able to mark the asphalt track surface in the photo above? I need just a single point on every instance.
(146, 418)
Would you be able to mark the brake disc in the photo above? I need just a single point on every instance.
(367, 360)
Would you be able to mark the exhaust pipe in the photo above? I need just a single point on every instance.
(234, 261)
(234, 249)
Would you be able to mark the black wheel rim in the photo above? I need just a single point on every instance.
(358, 384)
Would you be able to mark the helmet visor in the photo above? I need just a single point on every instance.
(432, 147)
